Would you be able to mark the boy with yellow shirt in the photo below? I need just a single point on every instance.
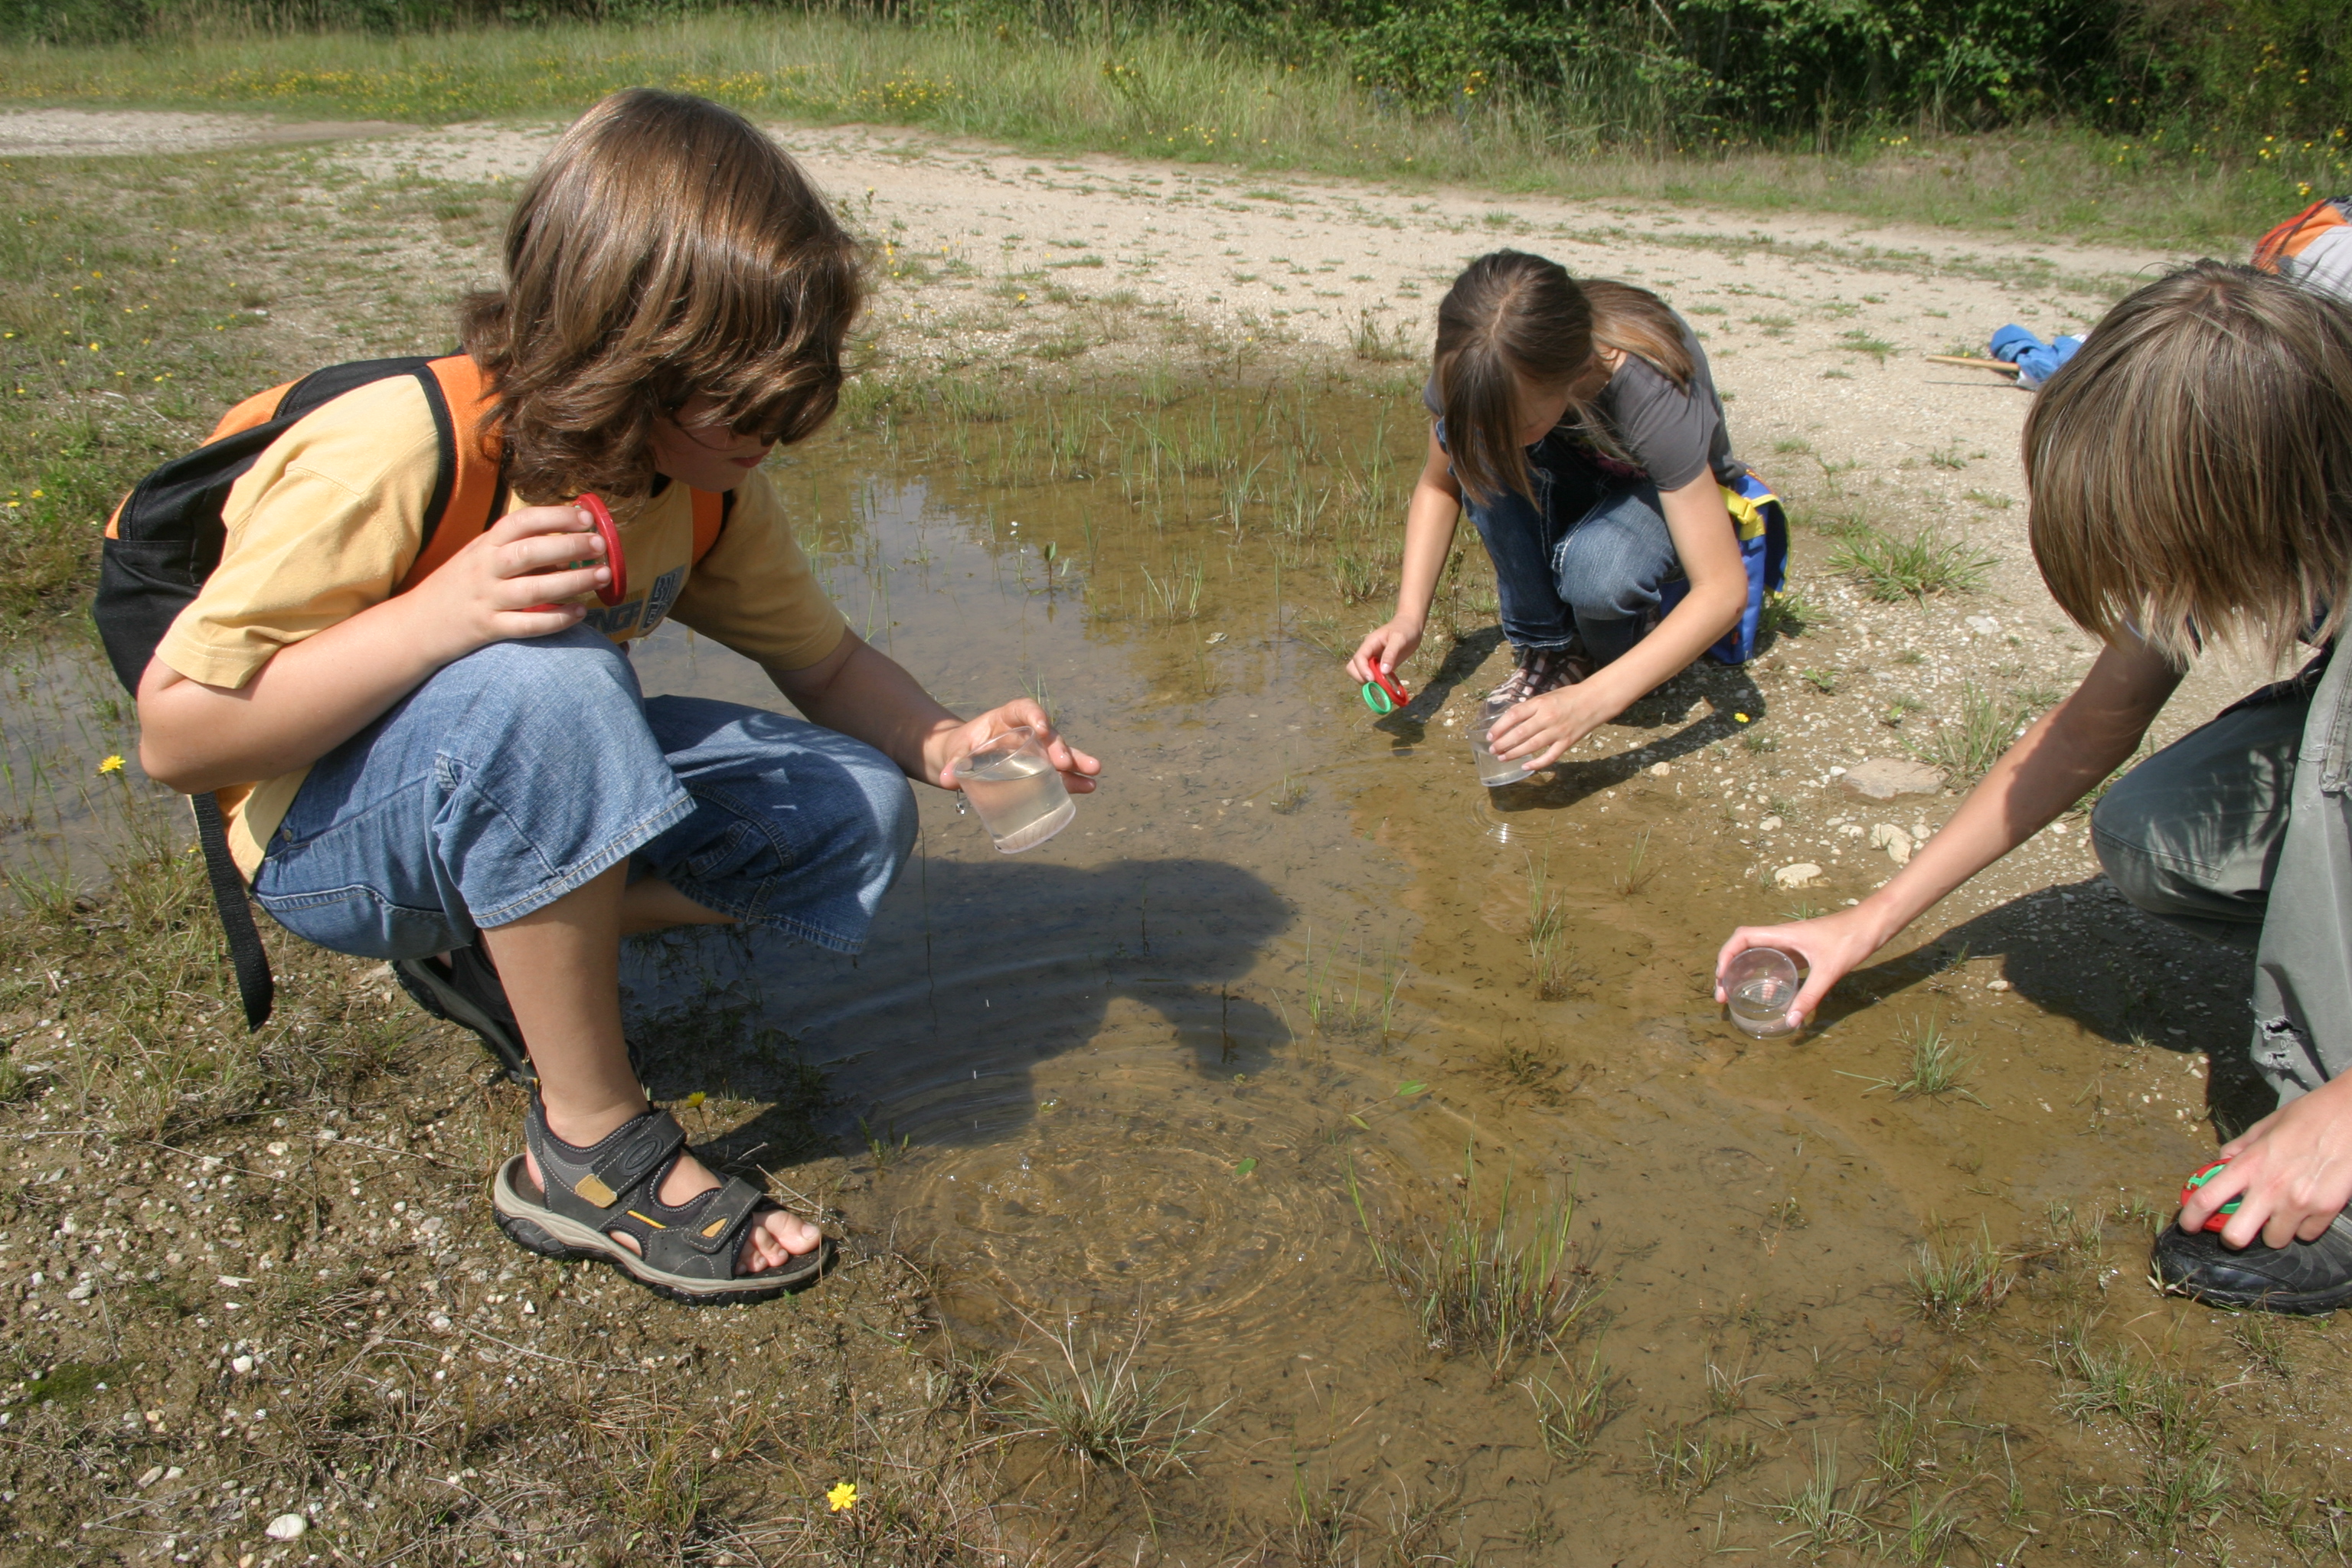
(456, 769)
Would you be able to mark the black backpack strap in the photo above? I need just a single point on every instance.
(255, 987)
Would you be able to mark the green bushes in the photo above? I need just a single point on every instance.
(2264, 82)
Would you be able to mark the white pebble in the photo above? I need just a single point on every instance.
(285, 1527)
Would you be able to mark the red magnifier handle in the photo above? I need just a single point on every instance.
(617, 589)
(1392, 686)
(614, 592)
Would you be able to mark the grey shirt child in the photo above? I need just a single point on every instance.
(1669, 435)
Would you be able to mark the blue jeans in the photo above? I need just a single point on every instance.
(1587, 557)
(521, 771)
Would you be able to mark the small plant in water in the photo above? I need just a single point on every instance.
(887, 1147)
(1638, 870)
(1936, 1064)
(1548, 944)
(1686, 1461)
(1822, 1523)
(1949, 1283)
(1290, 795)
(1105, 1413)
(1570, 1413)
(1504, 1287)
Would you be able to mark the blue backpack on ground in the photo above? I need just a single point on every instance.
(1763, 550)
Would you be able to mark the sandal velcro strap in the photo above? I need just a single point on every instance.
(604, 1174)
(728, 1210)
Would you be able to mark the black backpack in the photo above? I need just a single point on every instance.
(166, 538)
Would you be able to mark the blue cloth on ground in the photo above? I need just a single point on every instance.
(2036, 361)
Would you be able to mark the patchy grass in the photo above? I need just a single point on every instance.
(1502, 1287)
(1964, 1278)
(1965, 742)
(1926, 565)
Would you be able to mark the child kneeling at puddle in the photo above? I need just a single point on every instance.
(460, 774)
(2190, 477)
(1579, 426)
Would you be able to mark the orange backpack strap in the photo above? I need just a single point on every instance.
(2289, 238)
(711, 509)
(457, 518)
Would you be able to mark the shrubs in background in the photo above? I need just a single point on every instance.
(2205, 76)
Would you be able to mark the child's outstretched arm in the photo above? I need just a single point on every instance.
(2066, 752)
(1429, 522)
(315, 694)
(862, 693)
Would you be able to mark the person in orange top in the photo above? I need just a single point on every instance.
(463, 777)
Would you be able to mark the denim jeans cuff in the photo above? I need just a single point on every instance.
(586, 869)
(752, 912)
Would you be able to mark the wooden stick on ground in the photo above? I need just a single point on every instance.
(1999, 364)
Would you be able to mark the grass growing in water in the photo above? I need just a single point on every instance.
(1822, 1521)
(1105, 1413)
(1548, 948)
(1949, 1283)
(1569, 1421)
(1503, 1288)
(1936, 1064)
(1687, 1460)
(1891, 569)
(1638, 870)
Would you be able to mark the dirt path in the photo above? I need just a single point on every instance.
(1815, 324)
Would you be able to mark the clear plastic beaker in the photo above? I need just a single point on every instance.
(1493, 771)
(1759, 987)
(1020, 798)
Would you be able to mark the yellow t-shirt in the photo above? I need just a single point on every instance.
(328, 520)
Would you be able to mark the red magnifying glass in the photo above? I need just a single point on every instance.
(1383, 693)
(2220, 1217)
(601, 515)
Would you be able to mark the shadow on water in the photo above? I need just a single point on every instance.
(976, 972)
(2081, 953)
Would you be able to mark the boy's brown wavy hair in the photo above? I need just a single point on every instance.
(2191, 468)
(664, 248)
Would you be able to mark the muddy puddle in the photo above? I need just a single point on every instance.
(1293, 994)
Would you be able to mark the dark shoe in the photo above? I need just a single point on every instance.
(2306, 1278)
(465, 989)
(1541, 671)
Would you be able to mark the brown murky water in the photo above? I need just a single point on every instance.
(1124, 1082)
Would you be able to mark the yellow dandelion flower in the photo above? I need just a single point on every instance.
(113, 764)
(1739, 718)
(696, 1099)
(843, 1496)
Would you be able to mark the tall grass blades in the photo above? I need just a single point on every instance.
(1822, 1518)
(1501, 1287)
(1969, 1277)
(1890, 569)
(1967, 744)
(1103, 1412)
(1548, 948)
(1570, 1412)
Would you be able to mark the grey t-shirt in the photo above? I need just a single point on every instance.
(1669, 436)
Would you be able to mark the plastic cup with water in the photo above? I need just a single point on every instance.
(1018, 794)
(1759, 987)
(1493, 771)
